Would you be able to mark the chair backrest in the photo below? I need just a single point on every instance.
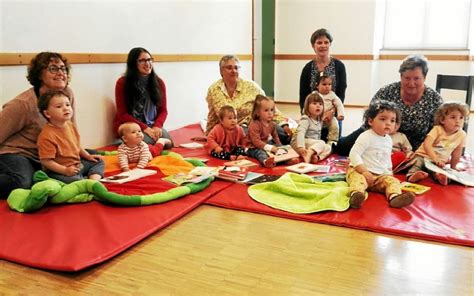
(455, 82)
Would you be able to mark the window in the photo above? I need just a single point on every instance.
(425, 24)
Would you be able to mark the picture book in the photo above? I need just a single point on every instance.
(191, 145)
(330, 177)
(128, 176)
(415, 188)
(233, 173)
(284, 153)
(182, 178)
(241, 163)
(262, 179)
(303, 168)
(462, 177)
(206, 170)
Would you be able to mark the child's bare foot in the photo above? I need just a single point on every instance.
(418, 176)
(315, 158)
(442, 179)
(241, 157)
(292, 161)
(356, 199)
(402, 200)
(233, 157)
(96, 177)
(269, 162)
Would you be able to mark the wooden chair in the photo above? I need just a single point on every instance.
(465, 83)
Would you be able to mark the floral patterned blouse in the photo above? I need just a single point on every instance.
(417, 120)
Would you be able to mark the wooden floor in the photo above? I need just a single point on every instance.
(214, 251)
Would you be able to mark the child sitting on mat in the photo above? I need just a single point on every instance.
(262, 133)
(58, 143)
(370, 164)
(307, 141)
(134, 149)
(227, 139)
(443, 144)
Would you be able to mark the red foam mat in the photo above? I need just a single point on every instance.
(443, 214)
(76, 236)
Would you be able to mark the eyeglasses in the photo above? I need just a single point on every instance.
(55, 69)
(230, 67)
(145, 61)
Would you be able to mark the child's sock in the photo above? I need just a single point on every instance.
(441, 178)
(156, 149)
(269, 162)
(401, 200)
(417, 176)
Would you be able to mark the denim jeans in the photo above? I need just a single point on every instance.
(16, 171)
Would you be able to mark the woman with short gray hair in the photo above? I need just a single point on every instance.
(417, 103)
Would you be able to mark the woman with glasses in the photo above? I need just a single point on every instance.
(21, 121)
(239, 93)
(140, 96)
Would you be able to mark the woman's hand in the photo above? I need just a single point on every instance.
(151, 133)
(158, 132)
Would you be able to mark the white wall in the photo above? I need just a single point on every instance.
(356, 27)
(161, 26)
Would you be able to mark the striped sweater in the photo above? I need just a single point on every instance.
(139, 154)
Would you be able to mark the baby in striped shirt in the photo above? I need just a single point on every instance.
(133, 149)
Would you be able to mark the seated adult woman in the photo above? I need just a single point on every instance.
(416, 101)
(140, 96)
(321, 41)
(22, 122)
(240, 94)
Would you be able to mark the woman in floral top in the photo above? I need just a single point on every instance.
(416, 101)
(239, 93)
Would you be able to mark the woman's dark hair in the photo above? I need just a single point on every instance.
(320, 33)
(132, 77)
(380, 106)
(41, 61)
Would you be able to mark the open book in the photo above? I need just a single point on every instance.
(241, 163)
(303, 168)
(284, 153)
(464, 178)
(128, 176)
(415, 188)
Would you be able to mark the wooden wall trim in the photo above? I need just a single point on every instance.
(311, 56)
(432, 57)
(12, 59)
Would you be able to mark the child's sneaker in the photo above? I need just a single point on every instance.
(402, 200)
(441, 178)
(356, 199)
(269, 162)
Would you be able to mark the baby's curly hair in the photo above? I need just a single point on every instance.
(449, 107)
(380, 106)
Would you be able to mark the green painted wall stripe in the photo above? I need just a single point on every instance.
(268, 46)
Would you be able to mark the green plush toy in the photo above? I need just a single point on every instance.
(54, 191)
